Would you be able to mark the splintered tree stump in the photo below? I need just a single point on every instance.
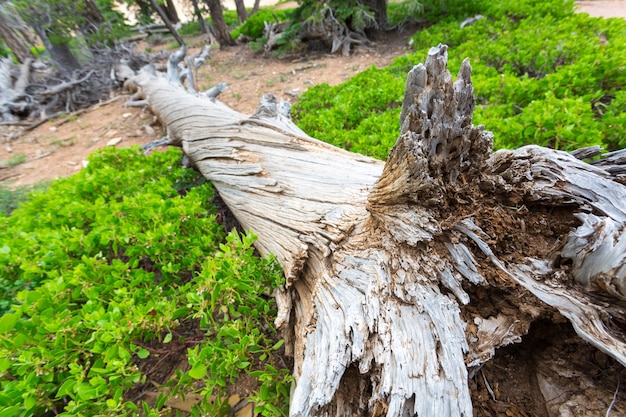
(393, 268)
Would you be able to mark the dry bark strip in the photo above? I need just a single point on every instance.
(388, 265)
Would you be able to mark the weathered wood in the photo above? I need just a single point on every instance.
(386, 263)
(13, 97)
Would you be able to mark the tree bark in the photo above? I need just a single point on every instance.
(196, 10)
(61, 54)
(242, 13)
(170, 10)
(93, 18)
(14, 32)
(379, 7)
(166, 19)
(219, 25)
(255, 8)
(392, 268)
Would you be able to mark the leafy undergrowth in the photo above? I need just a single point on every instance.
(109, 269)
(542, 74)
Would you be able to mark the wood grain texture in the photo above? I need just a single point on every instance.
(388, 264)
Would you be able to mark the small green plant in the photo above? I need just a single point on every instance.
(65, 142)
(4, 50)
(190, 28)
(37, 50)
(13, 161)
(172, 45)
(237, 75)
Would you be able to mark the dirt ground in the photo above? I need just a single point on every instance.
(59, 147)
(603, 8)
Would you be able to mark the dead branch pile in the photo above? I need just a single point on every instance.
(36, 90)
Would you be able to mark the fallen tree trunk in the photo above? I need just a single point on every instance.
(404, 277)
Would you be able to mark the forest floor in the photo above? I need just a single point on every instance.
(59, 147)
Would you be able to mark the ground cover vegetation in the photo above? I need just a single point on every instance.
(122, 266)
(542, 74)
(109, 274)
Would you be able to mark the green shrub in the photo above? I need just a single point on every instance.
(541, 74)
(107, 270)
(254, 25)
(613, 119)
(401, 12)
(356, 115)
(10, 199)
(14, 160)
(190, 28)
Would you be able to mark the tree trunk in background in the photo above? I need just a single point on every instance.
(196, 10)
(170, 10)
(61, 54)
(255, 8)
(242, 13)
(379, 7)
(404, 277)
(15, 33)
(93, 18)
(165, 18)
(219, 25)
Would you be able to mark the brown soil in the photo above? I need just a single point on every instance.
(59, 147)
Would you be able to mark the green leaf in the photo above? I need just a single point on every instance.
(123, 353)
(86, 392)
(10, 411)
(161, 400)
(7, 323)
(143, 353)
(198, 371)
(167, 338)
(181, 312)
(4, 364)
(30, 402)
(67, 388)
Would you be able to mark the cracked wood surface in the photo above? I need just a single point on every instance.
(386, 263)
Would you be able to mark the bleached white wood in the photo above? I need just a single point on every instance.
(382, 260)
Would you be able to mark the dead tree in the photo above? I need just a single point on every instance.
(15, 33)
(403, 278)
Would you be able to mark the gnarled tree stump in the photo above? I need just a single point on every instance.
(404, 277)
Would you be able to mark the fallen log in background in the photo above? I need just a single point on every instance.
(404, 277)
